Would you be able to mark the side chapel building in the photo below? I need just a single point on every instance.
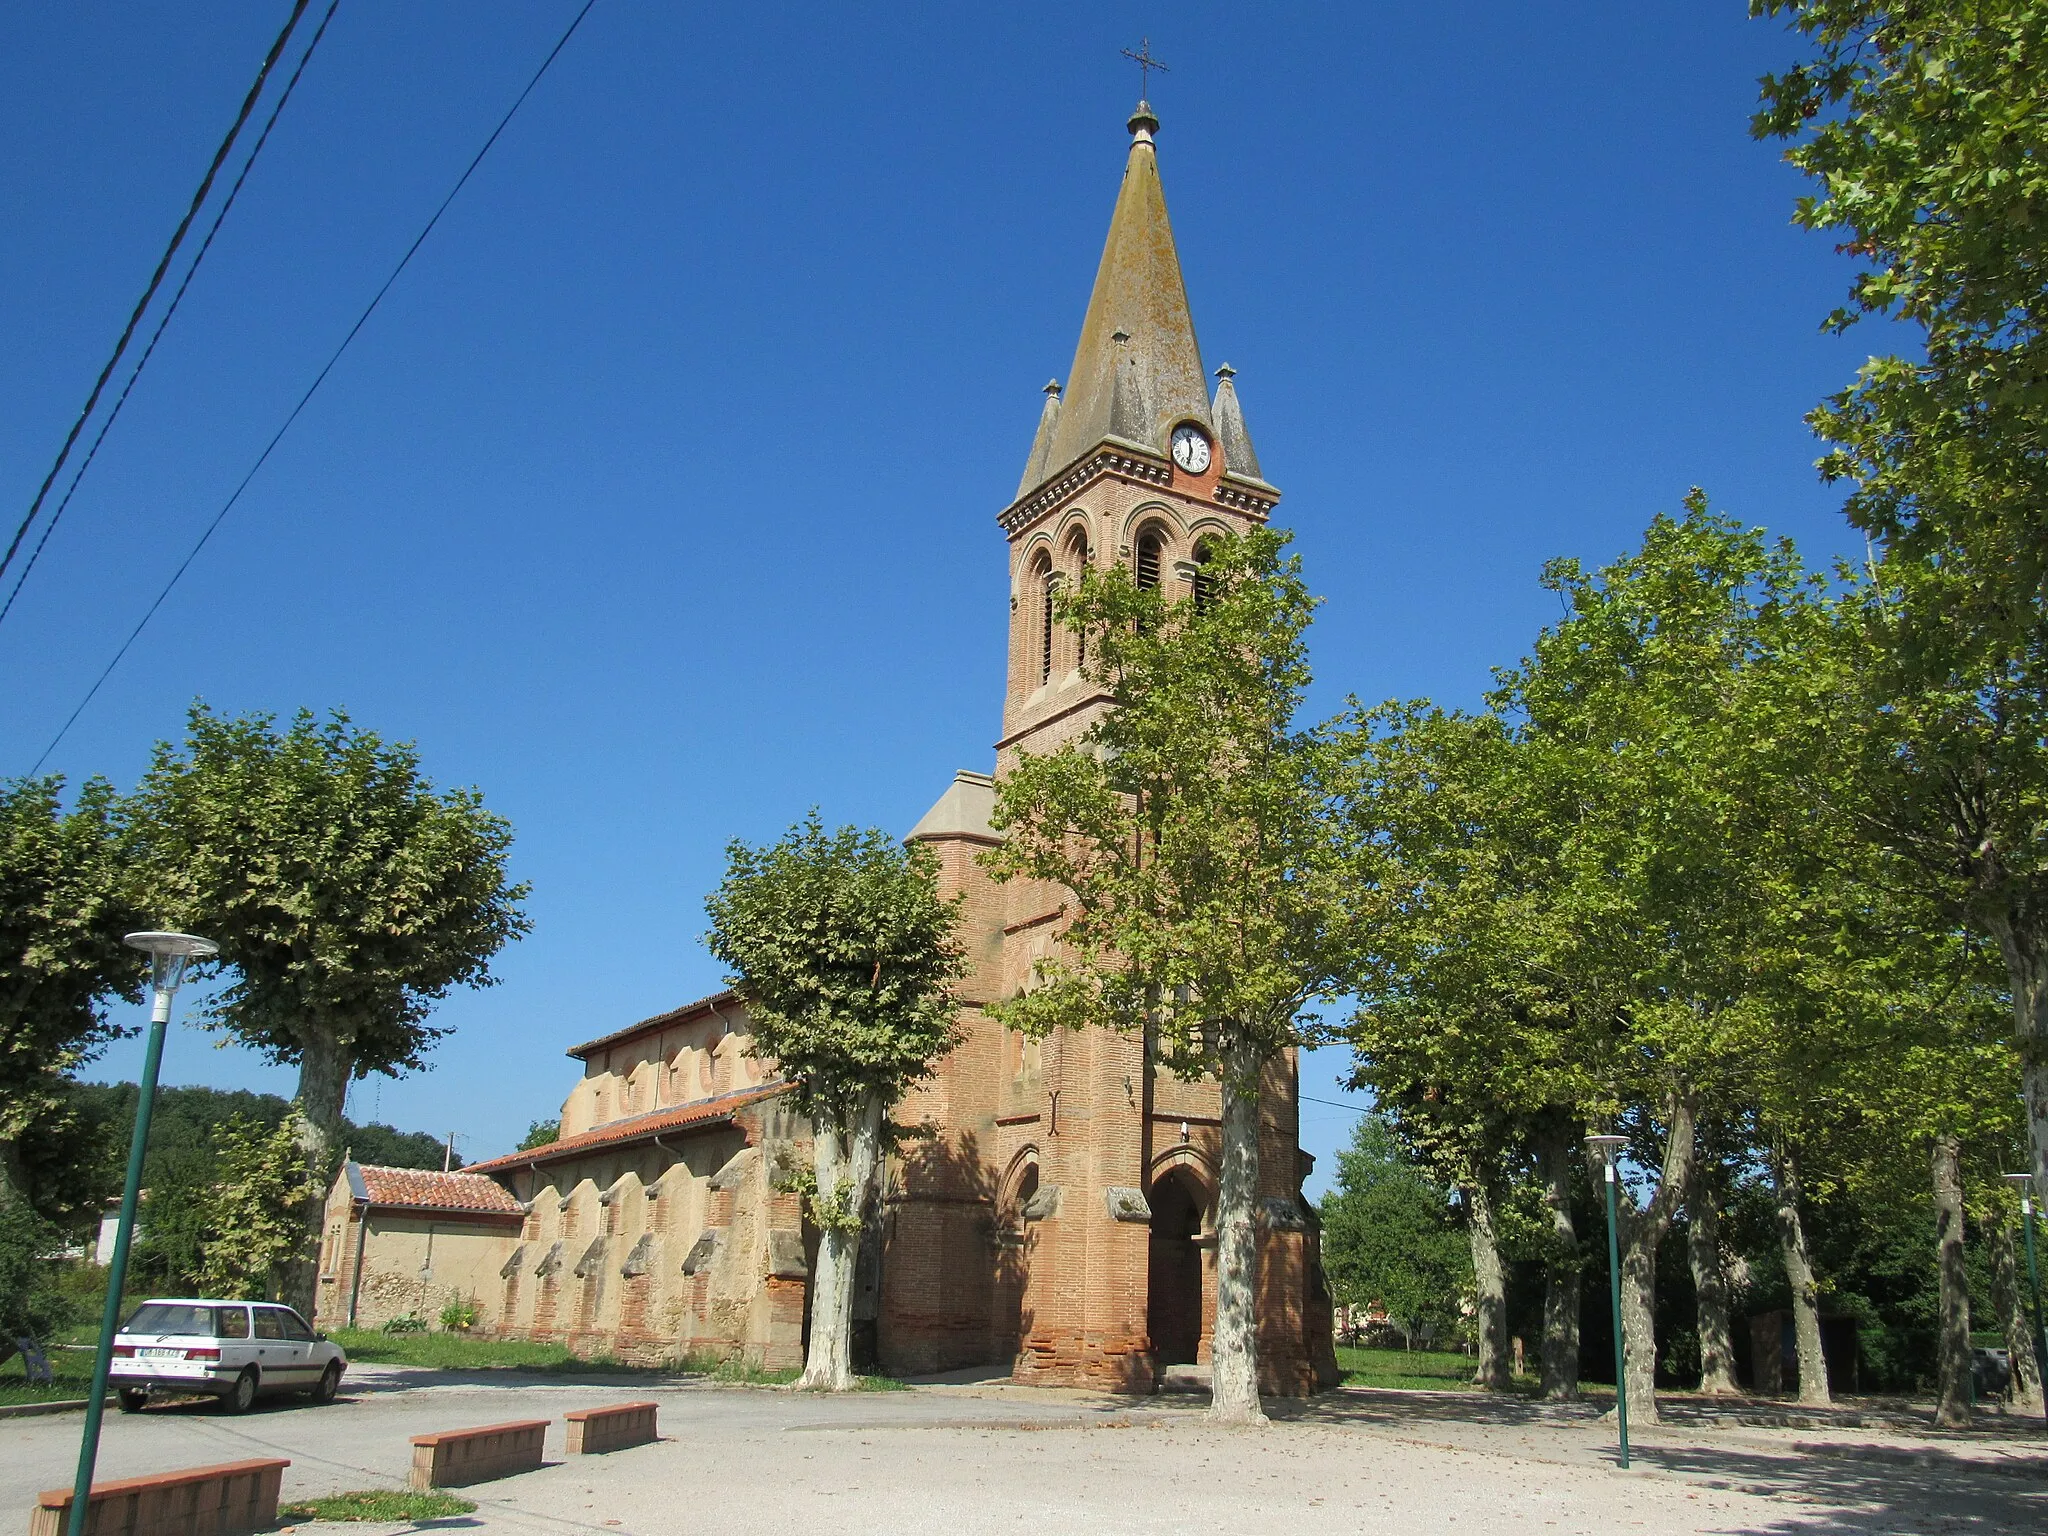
(1059, 1220)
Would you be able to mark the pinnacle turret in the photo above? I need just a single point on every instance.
(1238, 456)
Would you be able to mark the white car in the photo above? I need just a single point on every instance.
(232, 1350)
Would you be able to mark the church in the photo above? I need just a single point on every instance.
(1056, 1220)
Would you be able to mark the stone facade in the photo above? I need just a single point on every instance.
(651, 1230)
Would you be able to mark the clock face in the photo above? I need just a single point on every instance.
(1191, 448)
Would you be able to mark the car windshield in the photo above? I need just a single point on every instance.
(173, 1317)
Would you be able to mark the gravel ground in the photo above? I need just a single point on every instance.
(966, 1459)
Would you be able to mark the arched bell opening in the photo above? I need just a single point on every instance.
(1173, 1308)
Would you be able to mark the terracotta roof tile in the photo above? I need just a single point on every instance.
(634, 1128)
(702, 1005)
(437, 1191)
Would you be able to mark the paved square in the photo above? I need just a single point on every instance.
(963, 1460)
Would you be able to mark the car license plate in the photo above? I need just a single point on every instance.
(161, 1354)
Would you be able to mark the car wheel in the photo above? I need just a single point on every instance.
(132, 1399)
(329, 1383)
(243, 1396)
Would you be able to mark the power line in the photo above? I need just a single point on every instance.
(313, 388)
(1356, 1109)
(164, 320)
(177, 238)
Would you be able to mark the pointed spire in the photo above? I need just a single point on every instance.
(1035, 467)
(1138, 386)
(1238, 457)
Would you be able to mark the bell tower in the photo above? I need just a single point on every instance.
(1134, 463)
(1061, 1219)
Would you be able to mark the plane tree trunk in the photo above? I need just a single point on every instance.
(327, 1061)
(1491, 1302)
(1563, 1265)
(1233, 1350)
(1799, 1275)
(1710, 1284)
(1952, 1366)
(843, 1158)
(1642, 1230)
(2012, 1319)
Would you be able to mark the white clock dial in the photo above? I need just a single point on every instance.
(1191, 448)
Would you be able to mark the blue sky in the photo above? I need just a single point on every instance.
(658, 500)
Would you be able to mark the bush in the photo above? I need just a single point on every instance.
(460, 1315)
(32, 1300)
(411, 1322)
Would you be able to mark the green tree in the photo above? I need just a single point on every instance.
(32, 1304)
(1390, 1235)
(542, 1133)
(1925, 127)
(345, 892)
(64, 905)
(843, 950)
(251, 1215)
(1192, 826)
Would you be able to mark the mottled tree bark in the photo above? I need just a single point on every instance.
(13, 1176)
(2024, 944)
(1490, 1283)
(843, 1158)
(327, 1061)
(1642, 1230)
(2012, 1319)
(1813, 1365)
(1563, 1264)
(1952, 1325)
(1233, 1348)
(1710, 1284)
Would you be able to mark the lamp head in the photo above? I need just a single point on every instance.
(2021, 1179)
(1606, 1147)
(169, 954)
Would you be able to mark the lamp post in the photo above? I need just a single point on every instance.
(2024, 1182)
(169, 954)
(1607, 1149)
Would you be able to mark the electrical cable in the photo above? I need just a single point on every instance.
(177, 238)
(1356, 1109)
(164, 320)
(313, 388)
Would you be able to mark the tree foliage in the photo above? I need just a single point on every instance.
(1390, 1235)
(347, 895)
(843, 950)
(251, 1213)
(66, 899)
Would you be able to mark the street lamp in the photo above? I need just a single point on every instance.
(2024, 1183)
(1607, 1149)
(169, 954)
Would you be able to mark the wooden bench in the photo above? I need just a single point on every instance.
(235, 1497)
(611, 1429)
(458, 1456)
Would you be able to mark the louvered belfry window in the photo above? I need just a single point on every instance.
(1046, 581)
(1077, 556)
(1151, 548)
(1204, 583)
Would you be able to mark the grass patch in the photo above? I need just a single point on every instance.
(1426, 1370)
(453, 1351)
(380, 1504)
(73, 1380)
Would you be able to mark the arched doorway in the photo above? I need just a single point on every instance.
(1173, 1309)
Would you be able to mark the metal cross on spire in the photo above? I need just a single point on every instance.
(1146, 64)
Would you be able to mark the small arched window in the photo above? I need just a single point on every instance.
(1077, 565)
(1043, 581)
(1204, 582)
(1151, 557)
